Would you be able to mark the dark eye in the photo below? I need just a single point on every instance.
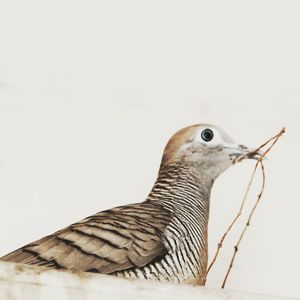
(207, 135)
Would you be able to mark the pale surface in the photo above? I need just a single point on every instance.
(91, 91)
(33, 283)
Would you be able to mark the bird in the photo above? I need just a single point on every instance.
(163, 238)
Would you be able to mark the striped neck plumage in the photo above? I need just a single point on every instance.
(180, 184)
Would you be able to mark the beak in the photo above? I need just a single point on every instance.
(242, 152)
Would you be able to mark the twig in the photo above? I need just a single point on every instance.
(255, 151)
(220, 244)
(259, 161)
(236, 247)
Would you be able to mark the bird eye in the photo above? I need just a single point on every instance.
(207, 135)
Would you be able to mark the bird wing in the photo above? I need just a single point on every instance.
(117, 239)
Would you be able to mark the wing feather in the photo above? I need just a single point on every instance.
(118, 239)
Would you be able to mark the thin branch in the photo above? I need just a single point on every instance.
(236, 247)
(220, 244)
(259, 161)
(256, 151)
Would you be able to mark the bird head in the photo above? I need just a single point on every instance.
(206, 148)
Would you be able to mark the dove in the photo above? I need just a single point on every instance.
(163, 238)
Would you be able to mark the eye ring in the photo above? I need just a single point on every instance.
(207, 135)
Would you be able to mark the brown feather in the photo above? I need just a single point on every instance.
(107, 242)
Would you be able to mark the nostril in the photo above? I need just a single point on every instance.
(243, 147)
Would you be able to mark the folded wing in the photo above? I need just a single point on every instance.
(121, 238)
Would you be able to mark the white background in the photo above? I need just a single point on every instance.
(90, 92)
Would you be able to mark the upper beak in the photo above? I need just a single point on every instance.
(241, 152)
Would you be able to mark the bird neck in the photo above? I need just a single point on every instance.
(180, 184)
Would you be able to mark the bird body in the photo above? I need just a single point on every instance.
(163, 238)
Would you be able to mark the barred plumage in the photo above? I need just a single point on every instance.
(162, 238)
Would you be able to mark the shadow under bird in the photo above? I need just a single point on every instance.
(163, 238)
